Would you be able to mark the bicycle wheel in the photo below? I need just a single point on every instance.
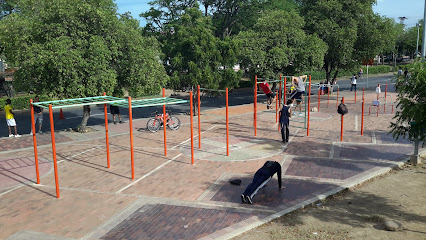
(173, 123)
(153, 125)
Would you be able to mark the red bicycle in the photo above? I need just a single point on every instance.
(156, 122)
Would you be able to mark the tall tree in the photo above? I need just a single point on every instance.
(338, 23)
(78, 48)
(278, 43)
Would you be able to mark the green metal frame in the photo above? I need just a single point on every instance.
(120, 102)
(211, 90)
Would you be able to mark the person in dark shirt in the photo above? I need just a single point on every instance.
(261, 177)
(285, 115)
(115, 111)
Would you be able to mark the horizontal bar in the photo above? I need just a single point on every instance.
(212, 90)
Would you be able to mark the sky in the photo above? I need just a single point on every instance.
(413, 10)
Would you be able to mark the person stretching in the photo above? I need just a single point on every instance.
(261, 177)
(299, 84)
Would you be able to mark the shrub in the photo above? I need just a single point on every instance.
(23, 102)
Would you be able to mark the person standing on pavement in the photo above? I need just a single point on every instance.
(285, 115)
(10, 118)
(115, 110)
(261, 177)
(38, 115)
(353, 82)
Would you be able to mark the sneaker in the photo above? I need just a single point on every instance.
(267, 106)
(121, 122)
(248, 198)
(11, 135)
(115, 122)
(31, 133)
(243, 199)
(40, 132)
(17, 135)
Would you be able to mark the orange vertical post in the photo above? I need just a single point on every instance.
(55, 164)
(341, 125)
(276, 110)
(285, 90)
(199, 117)
(319, 98)
(34, 142)
(132, 156)
(106, 133)
(378, 93)
(192, 128)
(280, 93)
(337, 97)
(255, 105)
(386, 93)
(164, 124)
(362, 113)
(309, 105)
(227, 124)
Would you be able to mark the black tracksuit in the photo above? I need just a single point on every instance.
(262, 176)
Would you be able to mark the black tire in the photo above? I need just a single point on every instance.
(173, 123)
(153, 125)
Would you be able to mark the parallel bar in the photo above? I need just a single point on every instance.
(309, 105)
(106, 134)
(255, 105)
(165, 124)
(212, 90)
(341, 125)
(55, 164)
(362, 114)
(34, 142)
(199, 117)
(132, 156)
(227, 125)
(192, 128)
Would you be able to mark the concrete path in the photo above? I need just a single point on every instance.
(172, 199)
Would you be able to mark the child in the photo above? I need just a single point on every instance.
(268, 92)
(285, 114)
(10, 118)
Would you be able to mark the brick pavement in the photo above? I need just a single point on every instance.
(172, 199)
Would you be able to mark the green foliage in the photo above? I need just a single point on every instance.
(278, 44)
(23, 102)
(411, 108)
(194, 56)
(78, 48)
(407, 40)
(376, 69)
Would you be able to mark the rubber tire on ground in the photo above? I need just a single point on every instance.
(153, 125)
(173, 123)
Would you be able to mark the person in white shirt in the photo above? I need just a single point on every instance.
(353, 82)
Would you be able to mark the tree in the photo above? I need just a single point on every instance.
(278, 43)
(342, 24)
(407, 40)
(78, 48)
(411, 108)
(194, 56)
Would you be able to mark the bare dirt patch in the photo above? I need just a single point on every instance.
(359, 213)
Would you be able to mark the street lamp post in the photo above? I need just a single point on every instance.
(417, 46)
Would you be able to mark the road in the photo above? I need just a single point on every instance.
(73, 116)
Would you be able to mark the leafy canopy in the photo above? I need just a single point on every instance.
(278, 43)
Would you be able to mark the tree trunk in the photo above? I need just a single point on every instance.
(86, 115)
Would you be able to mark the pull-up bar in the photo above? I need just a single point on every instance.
(199, 116)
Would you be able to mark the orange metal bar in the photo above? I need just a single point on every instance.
(378, 93)
(106, 134)
(309, 105)
(55, 164)
(319, 98)
(227, 124)
(132, 155)
(276, 114)
(199, 118)
(279, 94)
(362, 114)
(192, 128)
(165, 124)
(285, 90)
(255, 105)
(34, 142)
(341, 126)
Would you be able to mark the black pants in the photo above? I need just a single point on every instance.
(285, 132)
(261, 177)
(353, 86)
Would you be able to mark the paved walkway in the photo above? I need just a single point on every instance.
(172, 199)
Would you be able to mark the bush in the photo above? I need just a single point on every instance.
(377, 69)
(23, 102)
